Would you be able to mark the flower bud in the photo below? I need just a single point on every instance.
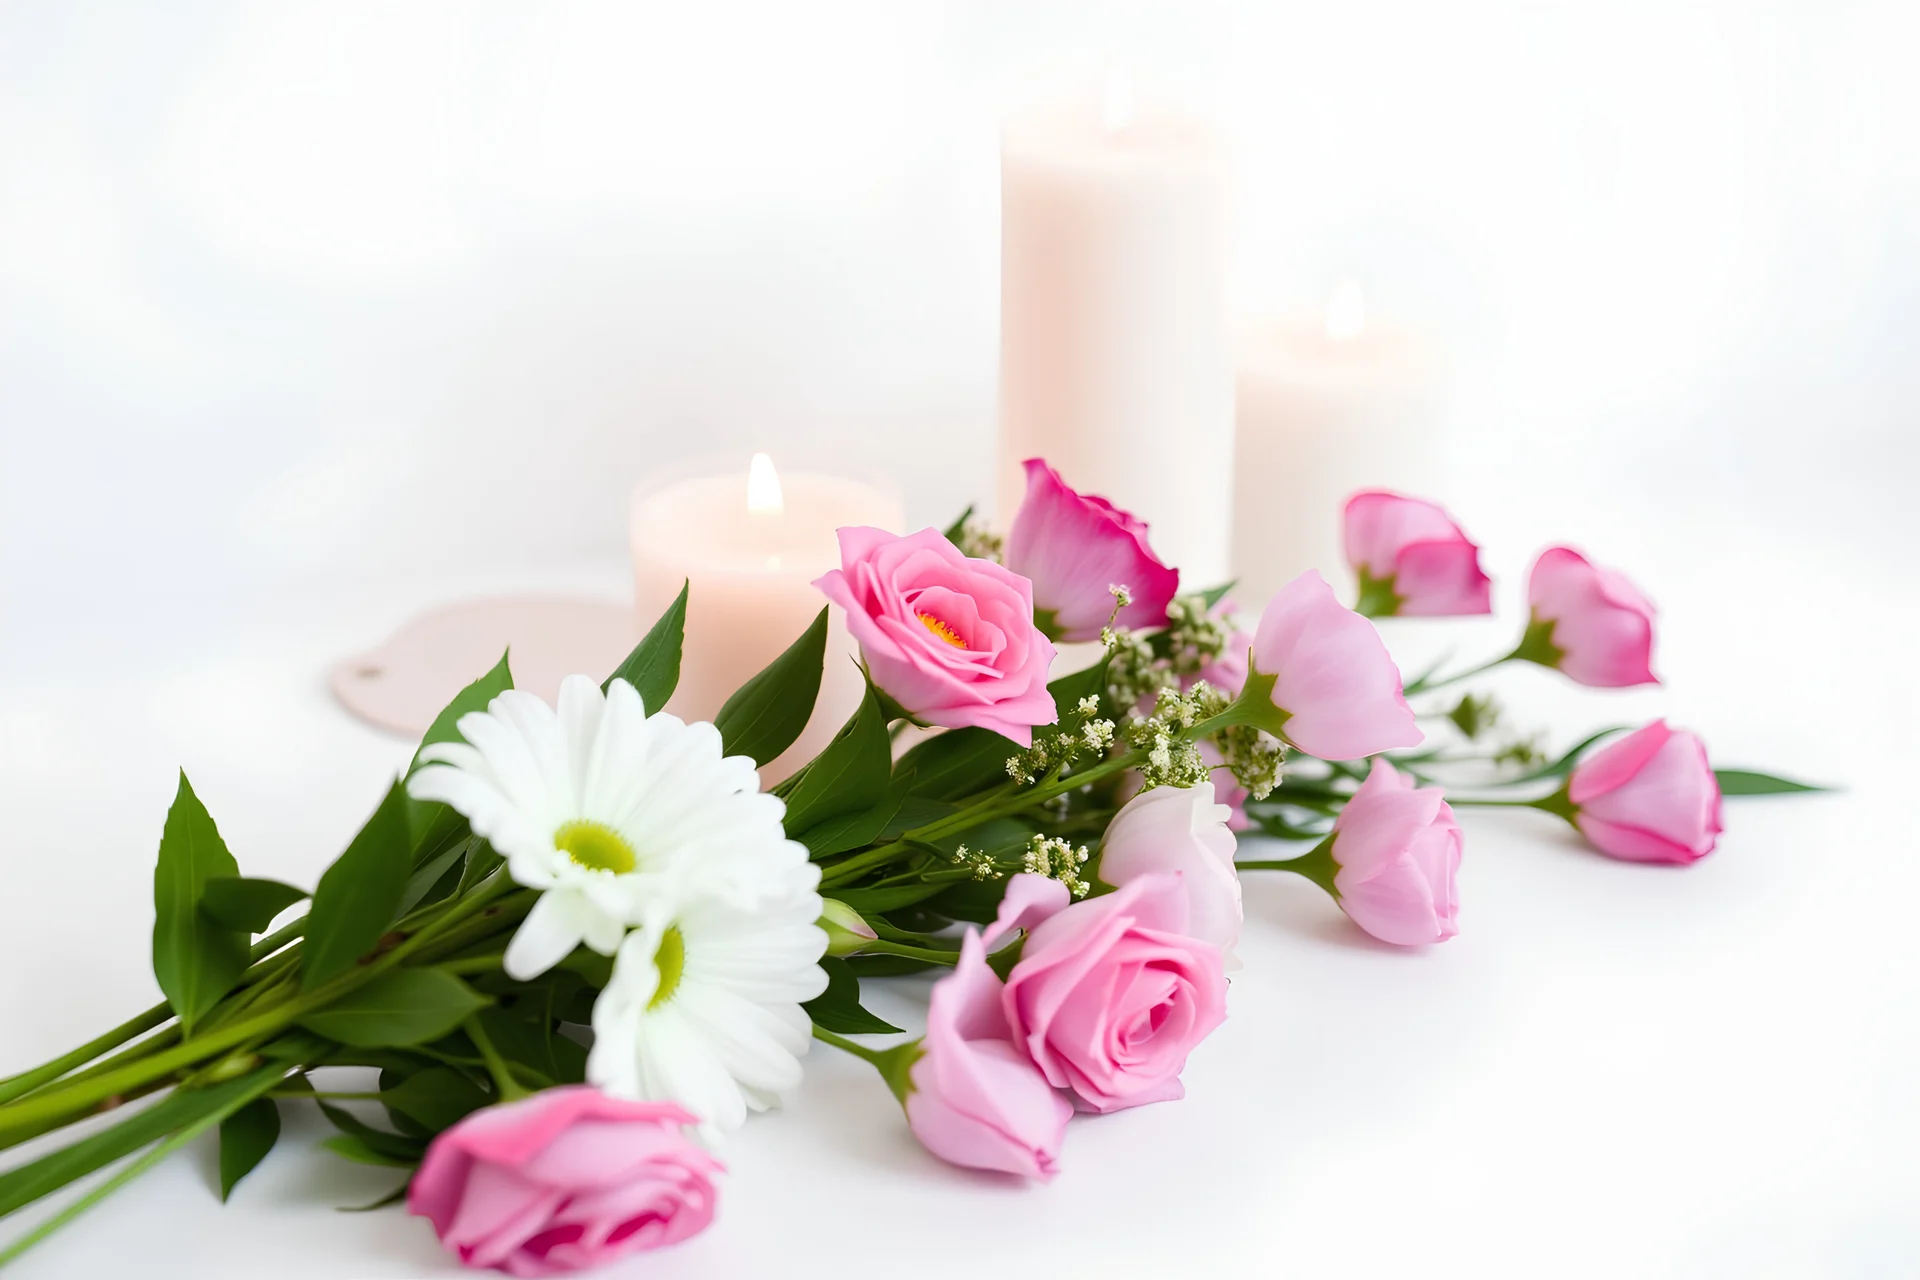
(847, 931)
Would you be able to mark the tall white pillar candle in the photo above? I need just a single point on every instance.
(1116, 361)
(1329, 404)
(749, 544)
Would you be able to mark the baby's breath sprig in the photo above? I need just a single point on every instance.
(1196, 636)
(1060, 748)
(979, 862)
(975, 539)
(1059, 860)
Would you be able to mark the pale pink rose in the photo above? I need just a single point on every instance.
(1650, 797)
(1589, 622)
(1074, 547)
(1397, 849)
(1111, 994)
(977, 1100)
(566, 1179)
(1336, 688)
(1412, 559)
(1226, 787)
(949, 638)
(1183, 830)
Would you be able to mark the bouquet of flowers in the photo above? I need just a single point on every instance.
(576, 946)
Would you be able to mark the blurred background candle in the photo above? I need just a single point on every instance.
(1328, 404)
(749, 543)
(1115, 359)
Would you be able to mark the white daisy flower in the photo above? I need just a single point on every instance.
(704, 1005)
(605, 809)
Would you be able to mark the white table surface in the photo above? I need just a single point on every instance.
(1613, 1070)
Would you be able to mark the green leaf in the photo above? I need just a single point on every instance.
(246, 904)
(850, 775)
(401, 1007)
(359, 895)
(653, 668)
(391, 1145)
(438, 1097)
(1745, 782)
(958, 527)
(195, 960)
(345, 1144)
(1563, 766)
(854, 830)
(766, 714)
(245, 1138)
(394, 1196)
(957, 763)
(433, 825)
(890, 897)
(482, 861)
(1214, 595)
(837, 1009)
(56, 1169)
(434, 879)
(1068, 690)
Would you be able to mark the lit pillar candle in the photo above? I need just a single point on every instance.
(1115, 359)
(749, 545)
(1329, 404)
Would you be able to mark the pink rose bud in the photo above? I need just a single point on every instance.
(1075, 547)
(1650, 797)
(1333, 690)
(1185, 831)
(1412, 559)
(566, 1179)
(975, 1099)
(1396, 849)
(1589, 622)
(1111, 994)
(949, 638)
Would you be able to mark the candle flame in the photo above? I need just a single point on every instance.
(1346, 316)
(1116, 98)
(763, 488)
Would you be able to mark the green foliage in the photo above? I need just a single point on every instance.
(766, 714)
(359, 895)
(196, 960)
(245, 1138)
(957, 763)
(436, 1097)
(850, 776)
(838, 1008)
(653, 668)
(400, 1007)
(433, 826)
(1745, 782)
(244, 904)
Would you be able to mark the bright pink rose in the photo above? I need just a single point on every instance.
(1397, 848)
(1650, 797)
(1337, 691)
(1589, 622)
(1185, 831)
(1412, 559)
(1111, 994)
(566, 1179)
(949, 638)
(1074, 547)
(977, 1100)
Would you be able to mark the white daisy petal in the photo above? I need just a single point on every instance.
(550, 932)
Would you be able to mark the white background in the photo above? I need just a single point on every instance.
(312, 316)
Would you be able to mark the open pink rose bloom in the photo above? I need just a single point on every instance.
(1650, 797)
(949, 638)
(1075, 548)
(565, 1179)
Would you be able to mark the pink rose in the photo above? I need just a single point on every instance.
(1074, 547)
(1185, 831)
(1650, 797)
(1336, 691)
(1112, 994)
(1396, 848)
(976, 1099)
(566, 1179)
(1589, 622)
(949, 638)
(1412, 559)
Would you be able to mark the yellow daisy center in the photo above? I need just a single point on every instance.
(595, 846)
(671, 961)
(942, 629)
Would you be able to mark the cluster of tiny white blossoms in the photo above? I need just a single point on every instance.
(1057, 859)
(1196, 635)
(979, 862)
(977, 541)
(1173, 760)
(1059, 750)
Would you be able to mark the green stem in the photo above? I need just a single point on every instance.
(127, 1174)
(489, 963)
(1316, 864)
(503, 1082)
(929, 954)
(27, 1081)
(1425, 685)
(825, 1036)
